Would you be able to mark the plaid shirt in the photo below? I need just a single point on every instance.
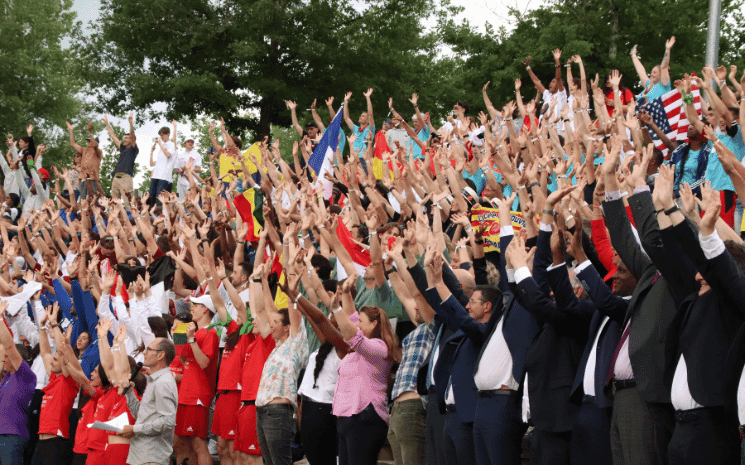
(416, 346)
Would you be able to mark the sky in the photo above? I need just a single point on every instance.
(477, 12)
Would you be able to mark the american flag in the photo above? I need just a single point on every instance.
(669, 115)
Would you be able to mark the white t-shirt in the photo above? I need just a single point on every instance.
(183, 160)
(561, 100)
(164, 165)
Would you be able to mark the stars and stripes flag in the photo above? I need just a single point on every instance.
(669, 115)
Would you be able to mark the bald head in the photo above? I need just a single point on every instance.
(466, 280)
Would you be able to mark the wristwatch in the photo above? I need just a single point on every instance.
(192, 340)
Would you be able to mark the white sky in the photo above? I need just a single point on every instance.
(477, 12)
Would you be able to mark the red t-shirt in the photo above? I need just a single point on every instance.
(97, 439)
(257, 351)
(177, 368)
(198, 385)
(56, 405)
(626, 98)
(232, 361)
(81, 433)
(120, 406)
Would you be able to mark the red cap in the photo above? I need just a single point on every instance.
(43, 174)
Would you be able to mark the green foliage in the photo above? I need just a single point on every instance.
(585, 27)
(242, 58)
(38, 82)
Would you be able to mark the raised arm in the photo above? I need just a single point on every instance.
(293, 113)
(114, 139)
(539, 87)
(347, 119)
(665, 66)
(639, 67)
(74, 145)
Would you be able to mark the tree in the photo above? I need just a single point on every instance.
(594, 29)
(241, 59)
(38, 82)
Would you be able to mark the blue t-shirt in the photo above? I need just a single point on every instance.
(478, 179)
(423, 135)
(715, 173)
(657, 90)
(360, 143)
(691, 164)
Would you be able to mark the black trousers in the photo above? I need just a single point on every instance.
(549, 448)
(55, 451)
(33, 425)
(663, 424)
(318, 433)
(591, 436)
(361, 437)
(435, 431)
(704, 435)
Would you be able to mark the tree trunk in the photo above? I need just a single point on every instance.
(613, 31)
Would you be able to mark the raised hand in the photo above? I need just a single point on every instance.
(526, 63)
(670, 42)
(518, 84)
(368, 93)
(711, 206)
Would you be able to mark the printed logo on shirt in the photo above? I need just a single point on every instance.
(59, 433)
(252, 447)
(231, 432)
(189, 429)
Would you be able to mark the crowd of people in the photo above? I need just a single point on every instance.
(285, 312)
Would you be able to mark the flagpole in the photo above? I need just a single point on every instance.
(712, 36)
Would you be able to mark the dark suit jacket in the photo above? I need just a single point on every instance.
(650, 309)
(519, 328)
(458, 355)
(553, 357)
(607, 304)
(703, 334)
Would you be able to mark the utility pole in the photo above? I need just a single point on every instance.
(712, 36)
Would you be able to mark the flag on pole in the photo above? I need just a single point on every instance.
(250, 205)
(669, 115)
(322, 159)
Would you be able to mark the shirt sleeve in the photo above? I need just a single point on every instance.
(521, 274)
(373, 350)
(712, 245)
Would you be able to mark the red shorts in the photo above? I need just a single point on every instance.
(192, 420)
(96, 456)
(116, 454)
(225, 420)
(247, 440)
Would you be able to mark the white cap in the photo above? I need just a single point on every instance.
(205, 300)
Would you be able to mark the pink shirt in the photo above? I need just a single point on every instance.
(363, 378)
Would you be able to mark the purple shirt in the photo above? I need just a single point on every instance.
(363, 377)
(16, 391)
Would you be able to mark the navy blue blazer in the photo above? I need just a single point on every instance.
(607, 304)
(458, 355)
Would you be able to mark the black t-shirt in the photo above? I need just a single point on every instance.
(126, 162)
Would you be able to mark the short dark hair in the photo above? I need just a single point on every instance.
(323, 264)
(164, 130)
(465, 105)
(489, 294)
(285, 314)
(311, 124)
(167, 347)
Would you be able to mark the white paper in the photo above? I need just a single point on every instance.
(18, 301)
(115, 425)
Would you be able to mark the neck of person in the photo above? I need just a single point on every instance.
(157, 367)
(204, 321)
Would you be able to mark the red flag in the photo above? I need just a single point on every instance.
(359, 255)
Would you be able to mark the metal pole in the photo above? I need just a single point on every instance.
(712, 36)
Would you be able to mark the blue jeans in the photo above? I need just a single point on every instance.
(11, 449)
(156, 187)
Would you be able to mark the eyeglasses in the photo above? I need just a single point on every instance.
(148, 349)
(470, 301)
